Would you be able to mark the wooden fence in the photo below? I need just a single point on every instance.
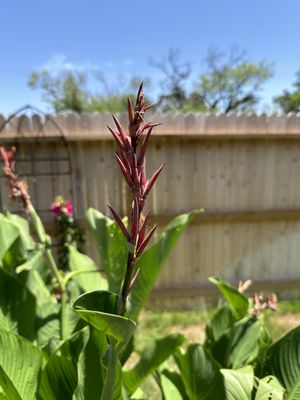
(244, 170)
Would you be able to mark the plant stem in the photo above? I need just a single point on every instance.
(42, 235)
(125, 287)
(63, 315)
(110, 381)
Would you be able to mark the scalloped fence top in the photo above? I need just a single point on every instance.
(93, 126)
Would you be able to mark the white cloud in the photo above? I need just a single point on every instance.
(59, 63)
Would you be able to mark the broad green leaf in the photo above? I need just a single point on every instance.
(22, 246)
(244, 343)
(200, 374)
(59, 377)
(47, 308)
(237, 300)
(21, 363)
(99, 309)
(112, 247)
(17, 306)
(24, 228)
(152, 261)
(169, 389)
(9, 232)
(8, 387)
(283, 361)
(91, 373)
(222, 320)
(151, 358)
(269, 388)
(176, 379)
(87, 279)
(238, 384)
(239, 345)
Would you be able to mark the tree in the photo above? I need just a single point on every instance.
(176, 73)
(231, 83)
(290, 101)
(64, 93)
(67, 91)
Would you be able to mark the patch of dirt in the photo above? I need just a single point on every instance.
(288, 321)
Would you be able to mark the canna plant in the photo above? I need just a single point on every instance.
(105, 310)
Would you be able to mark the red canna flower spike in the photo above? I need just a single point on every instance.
(143, 229)
(145, 241)
(117, 137)
(152, 180)
(119, 221)
(124, 171)
(144, 147)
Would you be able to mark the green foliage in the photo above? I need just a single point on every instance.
(152, 261)
(64, 93)
(282, 360)
(229, 83)
(151, 358)
(233, 84)
(112, 247)
(237, 301)
(85, 272)
(79, 356)
(289, 101)
(99, 308)
(68, 91)
(20, 366)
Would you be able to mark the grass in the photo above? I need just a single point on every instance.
(154, 324)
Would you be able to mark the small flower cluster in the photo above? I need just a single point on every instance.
(68, 231)
(131, 157)
(262, 303)
(18, 188)
(61, 207)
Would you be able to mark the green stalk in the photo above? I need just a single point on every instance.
(43, 237)
(64, 315)
(110, 381)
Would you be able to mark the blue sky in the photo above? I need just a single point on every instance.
(118, 37)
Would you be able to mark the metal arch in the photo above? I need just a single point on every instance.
(46, 119)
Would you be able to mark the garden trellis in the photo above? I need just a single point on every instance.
(39, 163)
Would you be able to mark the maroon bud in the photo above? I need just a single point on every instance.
(135, 221)
(121, 130)
(145, 241)
(149, 106)
(133, 279)
(124, 171)
(143, 229)
(144, 147)
(130, 112)
(119, 221)
(117, 137)
(152, 180)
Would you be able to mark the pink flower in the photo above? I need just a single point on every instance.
(61, 207)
